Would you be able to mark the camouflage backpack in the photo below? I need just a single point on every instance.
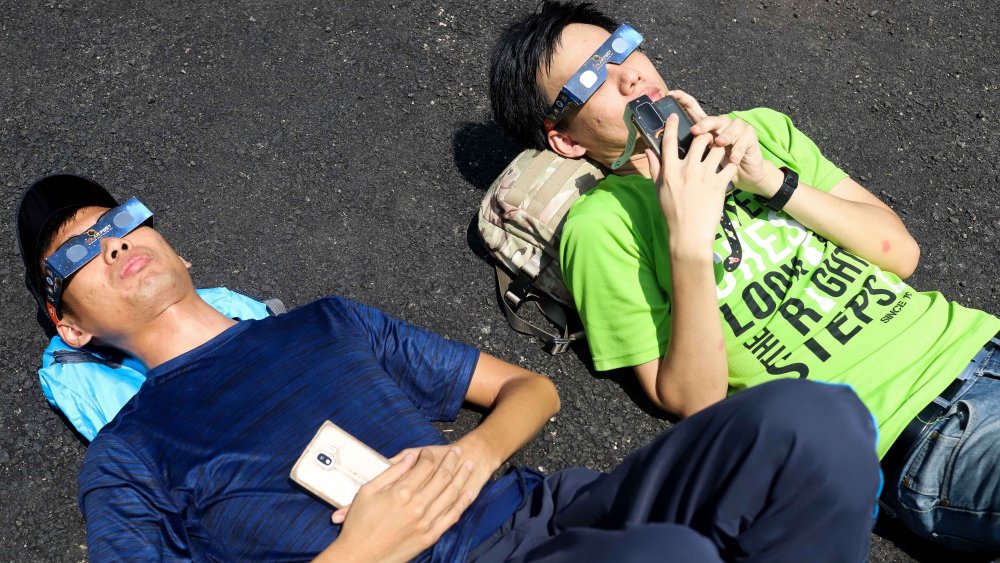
(520, 222)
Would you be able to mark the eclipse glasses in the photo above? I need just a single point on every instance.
(593, 73)
(76, 252)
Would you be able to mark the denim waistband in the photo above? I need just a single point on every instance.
(977, 360)
(971, 369)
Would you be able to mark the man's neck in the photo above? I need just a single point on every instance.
(178, 329)
(636, 164)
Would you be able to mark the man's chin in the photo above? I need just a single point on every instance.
(159, 290)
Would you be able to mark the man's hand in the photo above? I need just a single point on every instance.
(482, 469)
(740, 140)
(691, 190)
(403, 511)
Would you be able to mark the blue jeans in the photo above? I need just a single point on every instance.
(949, 490)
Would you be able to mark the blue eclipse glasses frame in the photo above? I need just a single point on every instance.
(79, 250)
(582, 85)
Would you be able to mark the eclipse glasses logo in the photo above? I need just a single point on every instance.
(600, 59)
(93, 235)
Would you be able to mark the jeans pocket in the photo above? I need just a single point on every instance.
(928, 474)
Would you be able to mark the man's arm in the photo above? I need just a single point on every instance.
(407, 508)
(693, 373)
(520, 402)
(851, 217)
(129, 514)
(848, 215)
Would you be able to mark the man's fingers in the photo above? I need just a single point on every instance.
(442, 477)
(689, 104)
(398, 457)
(739, 136)
(407, 486)
(452, 492)
(668, 144)
(746, 141)
(714, 124)
(728, 172)
(715, 156)
(448, 518)
(654, 164)
(698, 146)
(393, 473)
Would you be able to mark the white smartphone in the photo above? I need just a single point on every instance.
(335, 464)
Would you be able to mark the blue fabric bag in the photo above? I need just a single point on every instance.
(90, 389)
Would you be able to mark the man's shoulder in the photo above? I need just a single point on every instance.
(110, 456)
(760, 115)
(323, 306)
(611, 216)
(767, 122)
(615, 196)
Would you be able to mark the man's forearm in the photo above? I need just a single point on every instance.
(522, 406)
(693, 373)
(869, 231)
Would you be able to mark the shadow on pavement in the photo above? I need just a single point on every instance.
(482, 151)
(919, 548)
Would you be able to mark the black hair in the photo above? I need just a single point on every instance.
(45, 239)
(524, 48)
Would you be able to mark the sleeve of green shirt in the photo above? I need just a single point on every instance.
(610, 271)
(785, 145)
(614, 250)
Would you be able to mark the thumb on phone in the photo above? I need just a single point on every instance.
(340, 514)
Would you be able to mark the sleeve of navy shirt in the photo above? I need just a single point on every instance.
(433, 371)
(129, 515)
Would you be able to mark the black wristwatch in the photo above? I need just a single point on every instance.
(784, 193)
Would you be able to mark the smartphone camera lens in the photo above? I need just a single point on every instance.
(324, 459)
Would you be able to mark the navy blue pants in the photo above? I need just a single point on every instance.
(785, 471)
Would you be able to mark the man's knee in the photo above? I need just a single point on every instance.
(828, 417)
(825, 436)
(801, 403)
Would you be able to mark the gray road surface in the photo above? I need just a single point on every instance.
(298, 149)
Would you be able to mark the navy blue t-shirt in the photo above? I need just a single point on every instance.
(196, 465)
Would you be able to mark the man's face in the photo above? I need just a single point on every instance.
(598, 126)
(131, 281)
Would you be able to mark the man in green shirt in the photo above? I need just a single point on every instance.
(806, 283)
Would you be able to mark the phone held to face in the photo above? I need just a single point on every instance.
(650, 118)
(335, 465)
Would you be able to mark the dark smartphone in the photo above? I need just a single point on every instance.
(650, 117)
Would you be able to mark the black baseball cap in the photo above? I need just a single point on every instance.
(44, 206)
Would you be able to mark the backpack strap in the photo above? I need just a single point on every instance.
(514, 292)
(77, 356)
(275, 306)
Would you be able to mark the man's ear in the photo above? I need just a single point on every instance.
(71, 334)
(564, 145)
(185, 262)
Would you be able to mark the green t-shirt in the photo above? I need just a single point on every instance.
(797, 306)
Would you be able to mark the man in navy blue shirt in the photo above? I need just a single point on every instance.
(195, 466)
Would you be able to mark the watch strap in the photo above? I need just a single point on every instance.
(780, 198)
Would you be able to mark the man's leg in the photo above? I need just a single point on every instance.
(782, 472)
(660, 542)
(950, 490)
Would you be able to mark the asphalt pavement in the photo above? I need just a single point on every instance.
(298, 149)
